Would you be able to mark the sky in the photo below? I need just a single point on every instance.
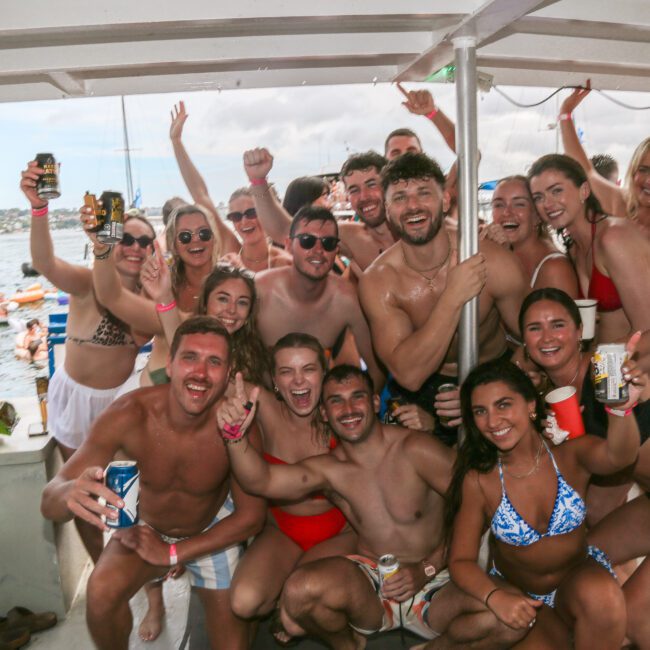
(309, 130)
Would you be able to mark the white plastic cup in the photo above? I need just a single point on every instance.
(587, 309)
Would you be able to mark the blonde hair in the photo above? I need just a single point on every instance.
(171, 231)
(632, 202)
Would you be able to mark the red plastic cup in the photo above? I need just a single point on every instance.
(564, 404)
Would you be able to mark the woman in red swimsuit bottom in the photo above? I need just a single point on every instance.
(297, 531)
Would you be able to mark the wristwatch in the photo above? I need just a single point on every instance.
(429, 569)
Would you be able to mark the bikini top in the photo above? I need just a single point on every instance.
(274, 460)
(569, 511)
(543, 261)
(601, 288)
(110, 332)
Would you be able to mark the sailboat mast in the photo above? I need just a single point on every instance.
(127, 158)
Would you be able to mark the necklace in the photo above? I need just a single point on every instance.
(254, 260)
(436, 269)
(575, 374)
(533, 469)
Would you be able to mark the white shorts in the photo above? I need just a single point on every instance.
(213, 571)
(73, 407)
(412, 613)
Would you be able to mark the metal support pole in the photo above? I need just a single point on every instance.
(467, 150)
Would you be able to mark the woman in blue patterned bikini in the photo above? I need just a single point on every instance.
(506, 478)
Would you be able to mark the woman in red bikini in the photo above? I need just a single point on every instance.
(299, 531)
(610, 254)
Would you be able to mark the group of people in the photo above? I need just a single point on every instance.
(298, 415)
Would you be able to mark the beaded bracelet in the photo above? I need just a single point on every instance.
(161, 307)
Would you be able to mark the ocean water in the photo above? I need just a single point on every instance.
(17, 376)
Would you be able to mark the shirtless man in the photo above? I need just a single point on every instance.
(306, 297)
(390, 483)
(360, 242)
(414, 292)
(195, 513)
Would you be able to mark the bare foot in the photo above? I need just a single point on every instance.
(152, 622)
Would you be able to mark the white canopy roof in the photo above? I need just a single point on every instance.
(74, 48)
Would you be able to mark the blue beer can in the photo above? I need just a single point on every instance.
(123, 478)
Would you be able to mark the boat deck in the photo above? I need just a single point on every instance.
(72, 633)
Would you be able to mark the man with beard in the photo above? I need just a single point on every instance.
(306, 297)
(390, 482)
(196, 514)
(361, 242)
(413, 293)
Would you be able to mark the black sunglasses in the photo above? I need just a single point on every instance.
(236, 217)
(185, 236)
(309, 241)
(142, 241)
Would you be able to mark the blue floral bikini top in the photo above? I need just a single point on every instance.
(569, 511)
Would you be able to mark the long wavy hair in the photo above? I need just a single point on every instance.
(319, 429)
(249, 355)
(171, 231)
(476, 452)
(632, 168)
(573, 172)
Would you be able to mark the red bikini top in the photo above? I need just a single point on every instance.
(601, 288)
(274, 460)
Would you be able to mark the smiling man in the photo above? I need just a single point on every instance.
(413, 293)
(306, 297)
(390, 483)
(192, 511)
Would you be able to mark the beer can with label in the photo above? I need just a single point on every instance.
(90, 201)
(123, 478)
(388, 565)
(392, 404)
(112, 218)
(42, 384)
(610, 386)
(446, 388)
(47, 186)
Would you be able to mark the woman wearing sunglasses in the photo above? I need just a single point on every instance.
(100, 349)
(255, 252)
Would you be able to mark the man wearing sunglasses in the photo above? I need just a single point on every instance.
(413, 294)
(361, 242)
(306, 297)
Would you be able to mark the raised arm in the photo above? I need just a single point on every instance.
(295, 481)
(413, 354)
(276, 221)
(139, 312)
(610, 196)
(70, 278)
(195, 182)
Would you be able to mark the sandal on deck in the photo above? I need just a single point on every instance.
(276, 628)
(23, 617)
(12, 638)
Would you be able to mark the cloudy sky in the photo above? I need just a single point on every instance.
(308, 129)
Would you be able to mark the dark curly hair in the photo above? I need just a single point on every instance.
(476, 452)
(410, 166)
(361, 162)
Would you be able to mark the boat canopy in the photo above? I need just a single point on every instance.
(80, 49)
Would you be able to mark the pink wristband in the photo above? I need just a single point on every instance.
(564, 117)
(432, 114)
(173, 556)
(259, 181)
(618, 412)
(40, 212)
(160, 307)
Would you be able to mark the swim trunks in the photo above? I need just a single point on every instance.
(409, 615)
(215, 570)
(73, 407)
